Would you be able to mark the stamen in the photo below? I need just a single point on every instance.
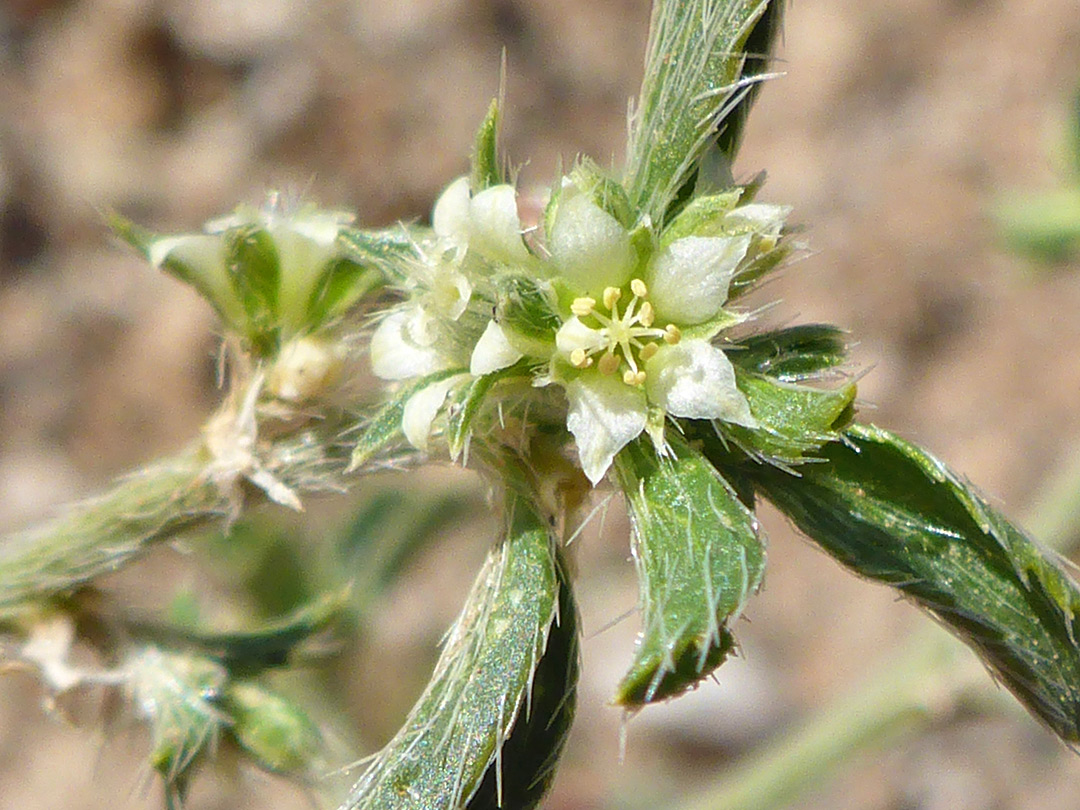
(672, 334)
(579, 359)
(647, 351)
(608, 364)
(633, 377)
(611, 295)
(638, 288)
(583, 307)
(646, 316)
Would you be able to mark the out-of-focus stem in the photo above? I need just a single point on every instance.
(99, 535)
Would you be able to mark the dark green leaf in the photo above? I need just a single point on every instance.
(699, 557)
(758, 48)
(249, 651)
(895, 514)
(793, 354)
(486, 171)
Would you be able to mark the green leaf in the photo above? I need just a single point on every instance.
(485, 155)
(793, 354)
(699, 557)
(604, 192)
(277, 733)
(249, 651)
(1044, 226)
(793, 419)
(525, 308)
(702, 216)
(693, 65)
(342, 284)
(390, 251)
(758, 48)
(384, 427)
(462, 727)
(892, 512)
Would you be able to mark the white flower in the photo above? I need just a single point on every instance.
(625, 336)
(486, 223)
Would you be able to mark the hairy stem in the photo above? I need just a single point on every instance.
(101, 534)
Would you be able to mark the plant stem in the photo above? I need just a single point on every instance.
(101, 534)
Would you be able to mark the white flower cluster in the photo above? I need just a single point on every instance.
(635, 313)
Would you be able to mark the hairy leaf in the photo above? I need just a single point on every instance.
(386, 250)
(895, 514)
(693, 80)
(461, 726)
(699, 557)
(793, 419)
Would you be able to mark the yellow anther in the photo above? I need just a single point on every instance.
(672, 334)
(583, 306)
(638, 288)
(647, 351)
(645, 315)
(608, 364)
(611, 295)
(578, 358)
(631, 377)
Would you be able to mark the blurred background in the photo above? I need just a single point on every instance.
(897, 126)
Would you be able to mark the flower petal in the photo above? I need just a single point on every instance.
(394, 356)
(695, 380)
(421, 410)
(605, 415)
(575, 335)
(494, 225)
(688, 281)
(450, 218)
(492, 352)
(450, 292)
(592, 249)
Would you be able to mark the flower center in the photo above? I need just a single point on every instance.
(629, 337)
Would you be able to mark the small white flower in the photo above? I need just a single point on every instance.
(625, 334)
(486, 223)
